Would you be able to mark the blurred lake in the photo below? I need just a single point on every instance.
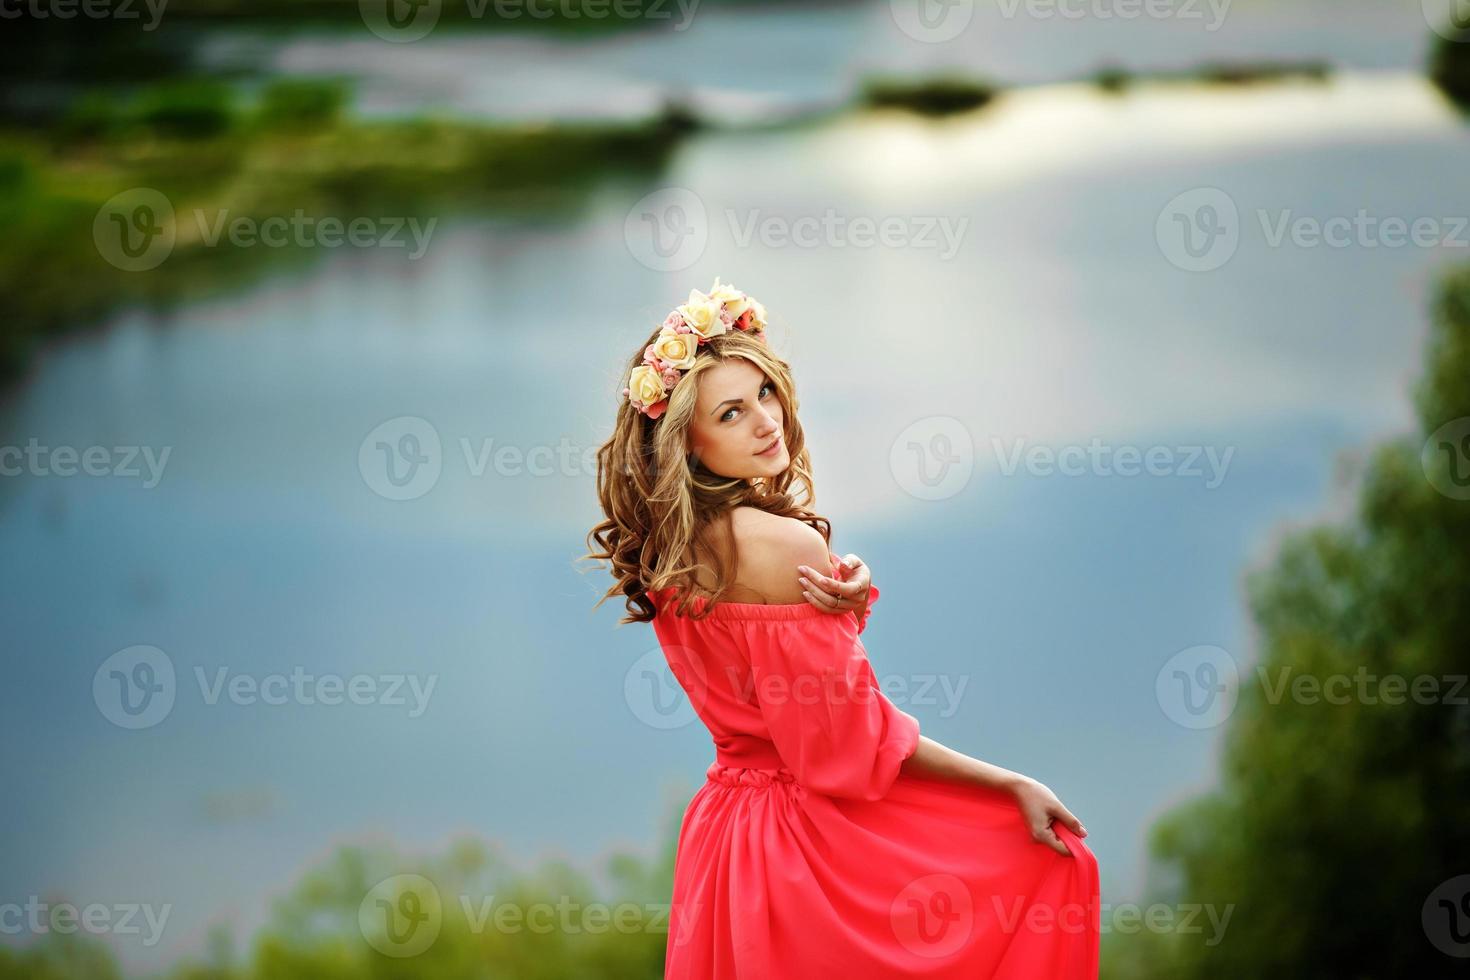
(748, 63)
(1059, 319)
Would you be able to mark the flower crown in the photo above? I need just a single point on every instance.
(685, 330)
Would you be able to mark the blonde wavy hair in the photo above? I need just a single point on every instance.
(662, 507)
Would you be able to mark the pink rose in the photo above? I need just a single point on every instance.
(671, 377)
(654, 411)
(674, 321)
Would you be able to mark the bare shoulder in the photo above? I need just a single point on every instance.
(770, 547)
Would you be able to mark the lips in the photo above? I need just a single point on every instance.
(771, 448)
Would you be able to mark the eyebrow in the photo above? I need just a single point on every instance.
(738, 401)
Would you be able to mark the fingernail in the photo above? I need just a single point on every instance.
(803, 581)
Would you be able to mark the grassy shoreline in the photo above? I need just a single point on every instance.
(294, 154)
(202, 146)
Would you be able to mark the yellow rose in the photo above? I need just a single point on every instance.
(703, 315)
(645, 385)
(676, 349)
(726, 293)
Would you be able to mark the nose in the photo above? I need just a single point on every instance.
(768, 424)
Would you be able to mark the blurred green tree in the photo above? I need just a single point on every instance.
(1336, 822)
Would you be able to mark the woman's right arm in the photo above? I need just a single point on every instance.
(1039, 805)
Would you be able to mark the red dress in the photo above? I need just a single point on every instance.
(807, 854)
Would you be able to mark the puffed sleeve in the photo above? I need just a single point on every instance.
(872, 598)
(873, 592)
(833, 726)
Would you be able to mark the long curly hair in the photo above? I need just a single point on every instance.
(664, 509)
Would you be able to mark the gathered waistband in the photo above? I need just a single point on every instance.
(742, 776)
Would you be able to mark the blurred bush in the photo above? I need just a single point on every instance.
(1334, 822)
(1449, 68)
(289, 102)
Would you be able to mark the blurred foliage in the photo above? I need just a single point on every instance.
(295, 102)
(1116, 78)
(942, 96)
(1335, 821)
(1449, 67)
(210, 152)
(550, 923)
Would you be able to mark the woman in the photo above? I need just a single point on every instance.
(830, 838)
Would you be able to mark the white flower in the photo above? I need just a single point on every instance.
(703, 315)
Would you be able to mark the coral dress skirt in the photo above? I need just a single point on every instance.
(808, 855)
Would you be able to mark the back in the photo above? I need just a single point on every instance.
(786, 686)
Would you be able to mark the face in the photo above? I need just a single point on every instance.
(737, 415)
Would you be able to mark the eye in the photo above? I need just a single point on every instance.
(765, 387)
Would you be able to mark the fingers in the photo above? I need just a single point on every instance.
(821, 600)
(813, 579)
(1066, 817)
(1045, 835)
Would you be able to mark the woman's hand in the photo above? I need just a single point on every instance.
(848, 595)
(1040, 807)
